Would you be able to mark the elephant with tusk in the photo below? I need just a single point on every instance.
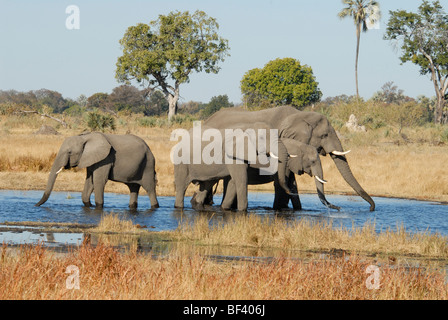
(122, 158)
(302, 159)
(310, 128)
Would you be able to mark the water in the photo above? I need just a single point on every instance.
(414, 216)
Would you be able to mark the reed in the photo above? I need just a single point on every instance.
(305, 235)
(34, 272)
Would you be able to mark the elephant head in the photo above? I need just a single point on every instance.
(303, 158)
(271, 154)
(79, 151)
(314, 129)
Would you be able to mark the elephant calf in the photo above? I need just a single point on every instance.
(122, 158)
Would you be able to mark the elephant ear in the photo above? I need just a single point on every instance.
(296, 127)
(96, 149)
(247, 142)
(295, 154)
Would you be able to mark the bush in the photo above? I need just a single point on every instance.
(97, 121)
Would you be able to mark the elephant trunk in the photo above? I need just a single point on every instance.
(57, 167)
(344, 169)
(282, 167)
(317, 172)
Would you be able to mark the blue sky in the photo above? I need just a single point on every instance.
(38, 51)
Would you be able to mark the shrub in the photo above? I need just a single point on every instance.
(97, 121)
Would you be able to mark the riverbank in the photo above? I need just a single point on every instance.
(383, 168)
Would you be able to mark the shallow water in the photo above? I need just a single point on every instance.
(414, 216)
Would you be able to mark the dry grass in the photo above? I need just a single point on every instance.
(32, 272)
(267, 232)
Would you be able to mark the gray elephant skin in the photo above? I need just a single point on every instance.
(310, 128)
(302, 159)
(122, 158)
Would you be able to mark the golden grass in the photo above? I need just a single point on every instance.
(33, 272)
(304, 235)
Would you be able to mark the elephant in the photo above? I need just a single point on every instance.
(311, 128)
(122, 158)
(302, 159)
(206, 172)
(206, 175)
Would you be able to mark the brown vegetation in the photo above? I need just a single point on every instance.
(33, 272)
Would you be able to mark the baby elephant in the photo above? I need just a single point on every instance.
(122, 158)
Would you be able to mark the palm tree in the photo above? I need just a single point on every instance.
(364, 13)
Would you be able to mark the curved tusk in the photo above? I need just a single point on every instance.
(273, 155)
(59, 170)
(320, 180)
(339, 153)
(293, 156)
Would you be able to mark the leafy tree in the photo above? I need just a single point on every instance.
(163, 53)
(126, 97)
(156, 104)
(281, 81)
(424, 41)
(390, 93)
(98, 100)
(363, 12)
(215, 104)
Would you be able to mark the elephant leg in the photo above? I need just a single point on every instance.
(281, 198)
(181, 183)
(149, 183)
(134, 190)
(229, 198)
(88, 189)
(100, 177)
(238, 172)
(295, 199)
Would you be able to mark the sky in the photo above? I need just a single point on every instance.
(39, 51)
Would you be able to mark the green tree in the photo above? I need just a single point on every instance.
(215, 104)
(281, 81)
(363, 12)
(423, 37)
(163, 53)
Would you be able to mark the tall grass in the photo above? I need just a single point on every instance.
(33, 272)
(267, 232)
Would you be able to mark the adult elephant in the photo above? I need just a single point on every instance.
(307, 127)
(122, 158)
(245, 145)
(302, 158)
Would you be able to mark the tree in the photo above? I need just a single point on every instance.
(424, 41)
(281, 81)
(363, 12)
(390, 93)
(163, 53)
(215, 104)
